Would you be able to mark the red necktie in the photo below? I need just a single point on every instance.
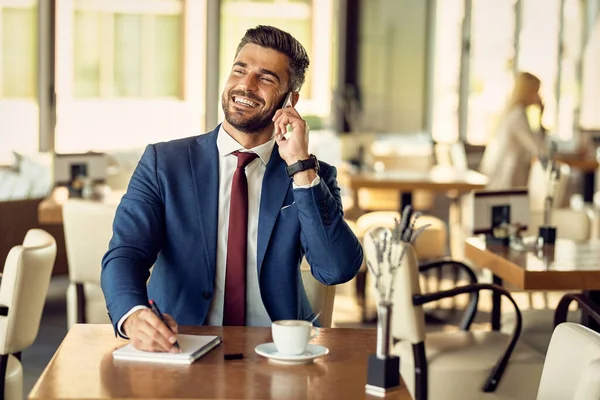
(234, 311)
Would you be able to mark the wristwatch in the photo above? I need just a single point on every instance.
(303, 165)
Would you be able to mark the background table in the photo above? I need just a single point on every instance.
(567, 265)
(438, 179)
(83, 367)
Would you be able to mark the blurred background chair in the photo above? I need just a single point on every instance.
(454, 365)
(23, 292)
(88, 229)
(321, 297)
(431, 245)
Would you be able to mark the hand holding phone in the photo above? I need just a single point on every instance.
(291, 131)
(287, 102)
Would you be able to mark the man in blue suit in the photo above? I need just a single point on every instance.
(226, 239)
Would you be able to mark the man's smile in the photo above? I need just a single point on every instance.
(244, 102)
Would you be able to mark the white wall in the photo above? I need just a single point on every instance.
(393, 49)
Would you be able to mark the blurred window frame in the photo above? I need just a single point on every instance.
(562, 122)
(108, 9)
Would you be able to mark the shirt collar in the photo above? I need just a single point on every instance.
(227, 145)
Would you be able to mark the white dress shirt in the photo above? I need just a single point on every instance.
(256, 314)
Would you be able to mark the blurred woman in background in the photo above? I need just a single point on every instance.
(507, 158)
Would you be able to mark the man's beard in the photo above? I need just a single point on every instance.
(247, 124)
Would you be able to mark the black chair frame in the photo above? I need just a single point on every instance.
(420, 358)
(471, 310)
(586, 305)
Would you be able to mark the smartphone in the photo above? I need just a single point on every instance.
(287, 102)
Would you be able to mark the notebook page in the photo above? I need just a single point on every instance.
(192, 348)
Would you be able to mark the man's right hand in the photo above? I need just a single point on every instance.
(148, 333)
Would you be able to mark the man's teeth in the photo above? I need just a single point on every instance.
(245, 102)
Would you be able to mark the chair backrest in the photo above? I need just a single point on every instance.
(408, 320)
(88, 229)
(321, 297)
(23, 289)
(573, 354)
(570, 224)
(538, 186)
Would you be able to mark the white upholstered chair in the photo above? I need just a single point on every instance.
(88, 229)
(23, 290)
(455, 365)
(572, 366)
(321, 297)
(431, 245)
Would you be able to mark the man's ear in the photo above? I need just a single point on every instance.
(295, 98)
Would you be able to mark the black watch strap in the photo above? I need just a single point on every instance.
(303, 165)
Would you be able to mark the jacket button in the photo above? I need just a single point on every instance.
(206, 294)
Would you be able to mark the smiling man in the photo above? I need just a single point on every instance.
(226, 217)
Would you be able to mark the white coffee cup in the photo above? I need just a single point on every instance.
(291, 336)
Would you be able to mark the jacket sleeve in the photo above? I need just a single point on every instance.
(331, 248)
(138, 232)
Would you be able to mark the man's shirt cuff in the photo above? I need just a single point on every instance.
(120, 323)
(314, 183)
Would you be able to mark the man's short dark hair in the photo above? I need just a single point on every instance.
(281, 41)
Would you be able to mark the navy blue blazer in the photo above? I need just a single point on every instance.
(168, 218)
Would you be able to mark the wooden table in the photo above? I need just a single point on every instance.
(83, 367)
(438, 179)
(567, 265)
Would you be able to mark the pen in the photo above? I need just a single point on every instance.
(154, 308)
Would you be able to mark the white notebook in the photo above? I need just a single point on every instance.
(192, 348)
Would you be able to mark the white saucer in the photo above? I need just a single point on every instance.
(269, 351)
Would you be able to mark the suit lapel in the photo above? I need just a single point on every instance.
(275, 187)
(204, 161)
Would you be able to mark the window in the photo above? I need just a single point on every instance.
(501, 37)
(538, 50)
(448, 44)
(19, 115)
(570, 75)
(492, 54)
(127, 48)
(128, 73)
(313, 27)
(19, 50)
